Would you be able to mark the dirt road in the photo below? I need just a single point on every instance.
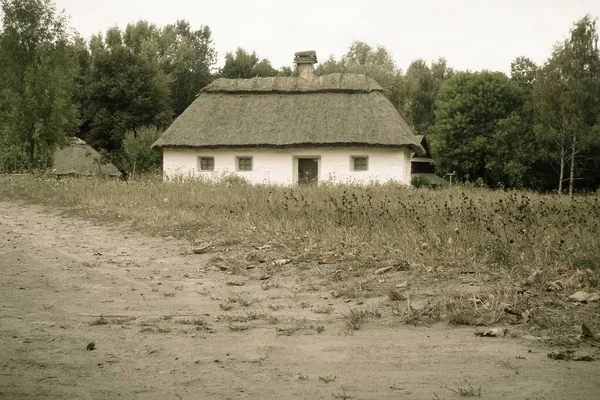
(166, 326)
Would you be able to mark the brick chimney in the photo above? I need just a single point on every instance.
(305, 60)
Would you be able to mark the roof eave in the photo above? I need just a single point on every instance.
(412, 146)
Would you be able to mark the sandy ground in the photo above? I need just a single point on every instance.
(60, 274)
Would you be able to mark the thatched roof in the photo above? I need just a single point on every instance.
(336, 109)
(425, 144)
(78, 158)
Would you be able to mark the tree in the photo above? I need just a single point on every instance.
(126, 87)
(420, 87)
(523, 71)
(375, 62)
(566, 99)
(469, 107)
(244, 65)
(37, 72)
(187, 56)
(516, 151)
(137, 151)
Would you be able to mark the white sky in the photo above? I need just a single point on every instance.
(470, 34)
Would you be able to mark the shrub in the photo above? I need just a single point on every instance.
(139, 156)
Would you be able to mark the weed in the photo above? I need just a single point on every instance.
(507, 364)
(238, 327)
(395, 295)
(328, 378)
(355, 318)
(343, 396)
(196, 321)
(324, 310)
(290, 330)
(226, 307)
(122, 320)
(254, 315)
(468, 391)
(236, 298)
(99, 321)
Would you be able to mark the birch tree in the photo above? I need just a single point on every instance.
(567, 100)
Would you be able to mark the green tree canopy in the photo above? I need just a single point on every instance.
(187, 56)
(419, 91)
(127, 88)
(37, 72)
(567, 102)
(469, 107)
(376, 62)
(244, 65)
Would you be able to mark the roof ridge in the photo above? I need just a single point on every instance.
(336, 82)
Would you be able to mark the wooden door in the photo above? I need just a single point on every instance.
(308, 170)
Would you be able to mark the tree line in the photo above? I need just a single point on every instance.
(537, 127)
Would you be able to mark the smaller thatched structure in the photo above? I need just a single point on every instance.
(79, 159)
(423, 168)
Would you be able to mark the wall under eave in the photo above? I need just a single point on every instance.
(279, 166)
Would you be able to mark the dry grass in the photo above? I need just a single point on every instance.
(498, 238)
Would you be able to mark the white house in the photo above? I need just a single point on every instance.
(337, 128)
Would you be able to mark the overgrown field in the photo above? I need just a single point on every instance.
(482, 257)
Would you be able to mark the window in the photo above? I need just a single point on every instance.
(206, 163)
(244, 163)
(360, 163)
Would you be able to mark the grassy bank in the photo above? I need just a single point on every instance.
(500, 238)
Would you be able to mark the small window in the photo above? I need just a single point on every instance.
(206, 163)
(360, 163)
(244, 163)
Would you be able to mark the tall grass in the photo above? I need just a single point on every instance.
(457, 226)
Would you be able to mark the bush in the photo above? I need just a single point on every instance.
(139, 156)
(13, 159)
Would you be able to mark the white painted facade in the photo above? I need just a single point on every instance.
(279, 166)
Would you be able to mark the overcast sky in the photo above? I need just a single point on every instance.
(470, 34)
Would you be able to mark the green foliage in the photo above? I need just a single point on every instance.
(187, 57)
(567, 104)
(469, 107)
(127, 87)
(137, 149)
(362, 58)
(244, 65)
(413, 93)
(37, 73)
(523, 71)
(143, 75)
(515, 152)
(419, 91)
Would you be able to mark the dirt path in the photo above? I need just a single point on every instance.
(176, 329)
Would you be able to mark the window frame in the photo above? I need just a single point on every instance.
(237, 163)
(200, 158)
(353, 163)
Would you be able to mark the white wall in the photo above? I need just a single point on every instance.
(279, 166)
